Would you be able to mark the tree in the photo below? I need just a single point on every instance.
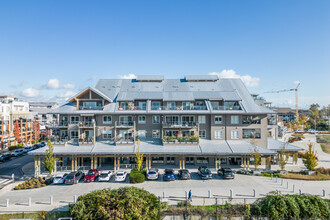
(255, 155)
(139, 156)
(310, 159)
(282, 157)
(17, 133)
(122, 203)
(49, 160)
(36, 129)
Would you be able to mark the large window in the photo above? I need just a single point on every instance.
(155, 106)
(126, 120)
(234, 119)
(155, 119)
(252, 133)
(142, 106)
(204, 160)
(251, 119)
(187, 133)
(74, 119)
(74, 134)
(171, 133)
(142, 119)
(157, 159)
(107, 120)
(107, 134)
(142, 133)
(172, 120)
(187, 105)
(202, 133)
(201, 119)
(170, 160)
(156, 133)
(218, 119)
(232, 105)
(171, 106)
(234, 134)
(218, 134)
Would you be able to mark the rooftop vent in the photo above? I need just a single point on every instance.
(201, 78)
(149, 78)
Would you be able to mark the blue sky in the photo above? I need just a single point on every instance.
(51, 49)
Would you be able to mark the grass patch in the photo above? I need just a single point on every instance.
(297, 176)
(323, 139)
(326, 148)
(267, 174)
(35, 215)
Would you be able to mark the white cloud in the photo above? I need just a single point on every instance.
(247, 79)
(128, 76)
(56, 84)
(53, 84)
(29, 93)
(65, 95)
(68, 86)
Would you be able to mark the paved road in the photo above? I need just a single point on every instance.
(14, 166)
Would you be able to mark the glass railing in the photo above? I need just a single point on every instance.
(226, 107)
(125, 123)
(85, 124)
(158, 108)
(61, 123)
(179, 124)
(132, 108)
(90, 108)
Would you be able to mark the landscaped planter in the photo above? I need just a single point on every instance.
(283, 172)
(310, 172)
(256, 172)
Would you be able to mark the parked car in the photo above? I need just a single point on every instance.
(120, 176)
(204, 173)
(5, 157)
(169, 175)
(91, 175)
(226, 173)
(74, 177)
(59, 178)
(42, 144)
(27, 149)
(17, 153)
(152, 174)
(36, 146)
(184, 174)
(105, 176)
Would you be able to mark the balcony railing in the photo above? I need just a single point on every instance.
(83, 124)
(178, 108)
(179, 124)
(132, 108)
(90, 108)
(226, 108)
(125, 123)
(60, 124)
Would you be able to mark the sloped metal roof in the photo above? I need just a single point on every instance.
(277, 145)
(149, 78)
(201, 77)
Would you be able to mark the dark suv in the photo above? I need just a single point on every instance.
(226, 173)
(184, 174)
(5, 157)
(205, 173)
(74, 177)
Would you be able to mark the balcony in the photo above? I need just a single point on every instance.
(83, 124)
(62, 124)
(194, 139)
(178, 108)
(179, 124)
(226, 108)
(124, 124)
(90, 108)
(132, 108)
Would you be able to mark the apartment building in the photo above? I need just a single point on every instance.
(41, 111)
(12, 110)
(186, 122)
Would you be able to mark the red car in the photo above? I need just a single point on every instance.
(91, 175)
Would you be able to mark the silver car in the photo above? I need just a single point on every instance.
(152, 174)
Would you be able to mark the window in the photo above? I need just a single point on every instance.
(232, 106)
(155, 106)
(190, 160)
(156, 133)
(252, 133)
(218, 134)
(172, 120)
(187, 105)
(215, 105)
(74, 134)
(234, 119)
(202, 133)
(201, 119)
(187, 133)
(107, 120)
(218, 119)
(171, 106)
(155, 119)
(171, 133)
(157, 159)
(142, 133)
(204, 160)
(142, 106)
(170, 160)
(234, 134)
(126, 121)
(251, 119)
(107, 134)
(142, 119)
(74, 119)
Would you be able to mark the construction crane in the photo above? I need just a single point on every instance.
(289, 90)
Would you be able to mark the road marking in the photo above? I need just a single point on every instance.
(5, 181)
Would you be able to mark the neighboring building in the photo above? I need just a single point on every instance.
(41, 110)
(12, 109)
(197, 120)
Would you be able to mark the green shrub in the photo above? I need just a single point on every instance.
(122, 203)
(15, 147)
(323, 139)
(137, 176)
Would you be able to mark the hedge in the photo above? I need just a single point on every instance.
(137, 176)
(15, 147)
